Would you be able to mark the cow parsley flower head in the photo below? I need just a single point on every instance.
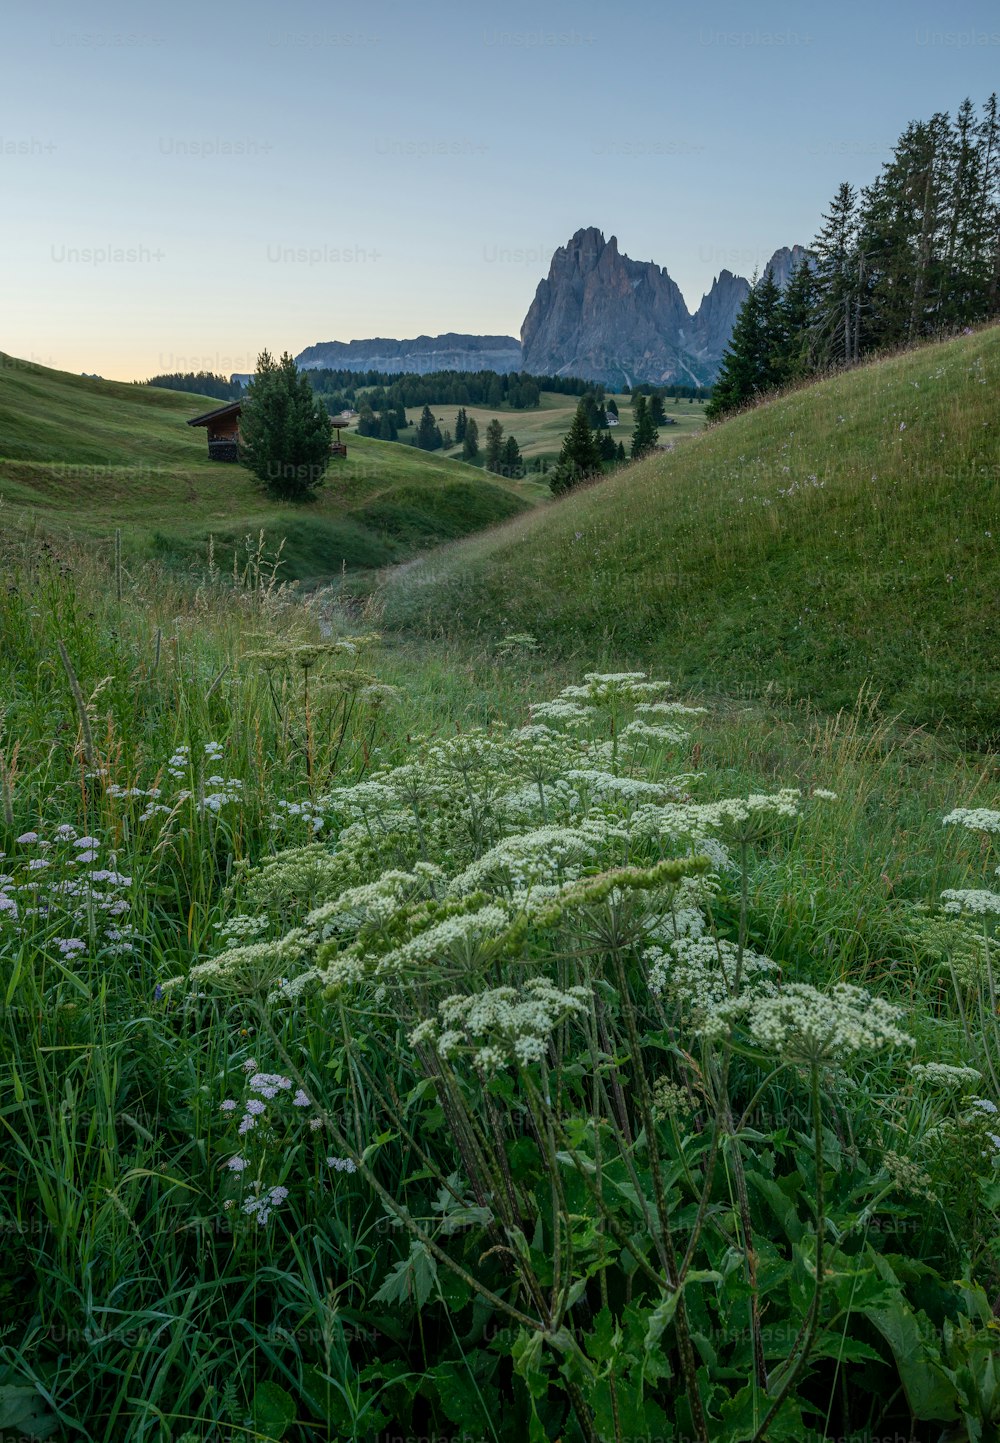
(942, 1074)
(978, 903)
(502, 1025)
(974, 819)
(806, 1025)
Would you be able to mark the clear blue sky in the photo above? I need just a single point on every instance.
(186, 183)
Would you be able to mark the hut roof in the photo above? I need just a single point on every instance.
(220, 411)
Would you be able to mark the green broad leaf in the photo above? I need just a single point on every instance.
(455, 1291)
(411, 1280)
(663, 1314)
(742, 1414)
(460, 1396)
(780, 1203)
(660, 1319)
(851, 1350)
(272, 1410)
(23, 1411)
(604, 1338)
(929, 1386)
(527, 1356)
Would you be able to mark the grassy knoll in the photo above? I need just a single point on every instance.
(80, 458)
(243, 1204)
(846, 536)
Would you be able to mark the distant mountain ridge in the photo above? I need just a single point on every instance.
(450, 352)
(597, 314)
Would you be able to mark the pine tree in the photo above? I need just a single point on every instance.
(579, 457)
(838, 269)
(589, 401)
(285, 430)
(645, 434)
(612, 406)
(461, 420)
(386, 428)
(620, 453)
(512, 464)
(494, 445)
(745, 363)
(656, 411)
(607, 444)
(428, 435)
(795, 319)
(470, 441)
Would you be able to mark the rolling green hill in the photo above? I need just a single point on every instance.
(83, 457)
(844, 536)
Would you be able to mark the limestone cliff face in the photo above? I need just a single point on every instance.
(605, 317)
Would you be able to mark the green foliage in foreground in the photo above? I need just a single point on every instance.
(470, 1189)
(844, 537)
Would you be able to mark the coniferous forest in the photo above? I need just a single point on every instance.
(913, 255)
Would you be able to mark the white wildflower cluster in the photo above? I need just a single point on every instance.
(503, 1025)
(305, 811)
(968, 900)
(247, 967)
(973, 819)
(373, 902)
(489, 845)
(240, 929)
(803, 1024)
(465, 940)
(66, 893)
(263, 1202)
(710, 980)
(943, 1074)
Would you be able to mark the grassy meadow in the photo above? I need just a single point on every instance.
(539, 431)
(81, 458)
(842, 537)
(420, 1019)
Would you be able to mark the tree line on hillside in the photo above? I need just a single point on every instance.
(515, 391)
(913, 255)
(199, 383)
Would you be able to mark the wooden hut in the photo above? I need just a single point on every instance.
(223, 426)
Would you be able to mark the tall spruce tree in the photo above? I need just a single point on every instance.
(470, 440)
(494, 445)
(461, 421)
(512, 464)
(644, 434)
(580, 456)
(751, 365)
(285, 430)
(428, 435)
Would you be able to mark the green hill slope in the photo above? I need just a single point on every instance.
(82, 457)
(844, 536)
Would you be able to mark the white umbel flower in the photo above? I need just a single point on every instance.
(806, 1025)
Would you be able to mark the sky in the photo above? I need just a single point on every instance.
(186, 184)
